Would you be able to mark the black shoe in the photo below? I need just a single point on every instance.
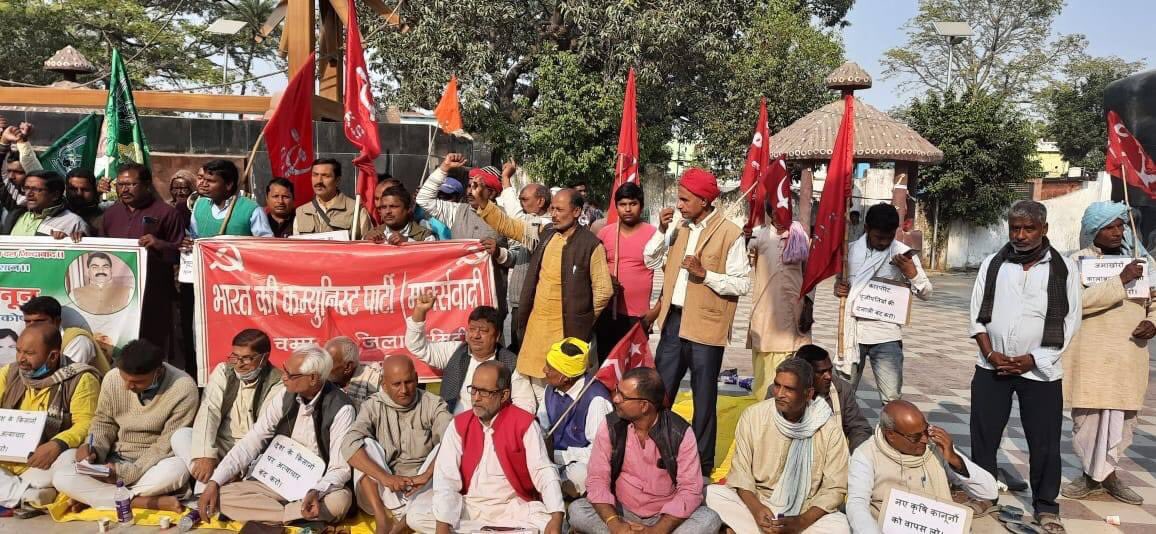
(1014, 483)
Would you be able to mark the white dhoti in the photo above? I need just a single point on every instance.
(1100, 438)
(515, 514)
(396, 501)
(164, 478)
(16, 489)
(734, 513)
(575, 472)
(182, 445)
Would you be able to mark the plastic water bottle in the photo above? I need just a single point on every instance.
(123, 499)
(189, 521)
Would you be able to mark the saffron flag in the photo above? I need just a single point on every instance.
(632, 351)
(75, 149)
(1126, 158)
(779, 181)
(448, 112)
(756, 170)
(626, 161)
(289, 133)
(360, 114)
(826, 258)
(121, 140)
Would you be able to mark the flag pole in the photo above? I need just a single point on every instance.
(249, 164)
(1131, 218)
(569, 408)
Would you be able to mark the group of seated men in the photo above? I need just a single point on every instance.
(804, 459)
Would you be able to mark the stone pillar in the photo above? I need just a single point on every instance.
(806, 193)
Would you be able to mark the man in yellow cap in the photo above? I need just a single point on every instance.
(576, 405)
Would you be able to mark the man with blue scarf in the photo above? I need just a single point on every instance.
(789, 472)
(43, 379)
(1106, 366)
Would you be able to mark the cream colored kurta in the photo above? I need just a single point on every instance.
(1104, 367)
(776, 305)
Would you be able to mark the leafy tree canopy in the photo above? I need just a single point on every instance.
(1074, 108)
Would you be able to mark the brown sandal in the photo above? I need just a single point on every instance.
(1050, 523)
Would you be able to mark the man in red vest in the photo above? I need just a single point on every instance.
(493, 469)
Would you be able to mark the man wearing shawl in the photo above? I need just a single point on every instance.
(706, 272)
(392, 444)
(1025, 309)
(877, 254)
(574, 428)
(907, 453)
(43, 379)
(780, 319)
(1107, 363)
(790, 465)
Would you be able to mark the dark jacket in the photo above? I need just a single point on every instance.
(578, 305)
(667, 433)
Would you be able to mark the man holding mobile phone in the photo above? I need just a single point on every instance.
(157, 227)
(877, 255)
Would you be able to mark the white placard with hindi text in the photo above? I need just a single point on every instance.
(883, 300)
(20, 433)
(187, 269)
(1094, 270)
(289, 468)
(336, 235)
(908, 513)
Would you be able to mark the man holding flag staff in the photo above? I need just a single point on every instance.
(576, 404)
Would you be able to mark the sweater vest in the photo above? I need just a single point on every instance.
(572, 431)
(510, 425)
(238, 224)
(332, 400)
(706, 315)
(59, 400)
(267, 379)
(454, 375)
(577, 289)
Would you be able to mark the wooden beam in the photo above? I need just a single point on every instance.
(155, 100)
(275, 18)
(300, 23)
(339, 7)
(326, 109)
(330, 54)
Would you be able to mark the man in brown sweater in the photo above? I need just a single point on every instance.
(706, 272)
(141, 404)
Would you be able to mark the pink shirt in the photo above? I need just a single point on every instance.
(644, 488)
(636, 278)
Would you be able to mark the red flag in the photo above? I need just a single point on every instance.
(360, 113)
(1126, 158)
(779, 181)
(756, 170)
(449, 112)
(626, 162)
(289, 133)
(826, 258)
(633, 351)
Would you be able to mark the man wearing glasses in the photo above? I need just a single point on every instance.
(907, 453)
(313, 413)
(44, 211)
(234, 396)
(158, 227)
(493, 469)
(644, 470)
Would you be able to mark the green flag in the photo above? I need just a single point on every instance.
(122, 140)
(76, 148)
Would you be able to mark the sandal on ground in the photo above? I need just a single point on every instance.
(1050, 523)
(980, 508)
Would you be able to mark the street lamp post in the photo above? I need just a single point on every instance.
(224, 26)
(955, 32)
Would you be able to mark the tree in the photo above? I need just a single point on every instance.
(1010, 56)
(1074, 108)
(502, 50)
(987, 145)
(160, 39)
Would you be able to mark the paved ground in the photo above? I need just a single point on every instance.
(940, 360)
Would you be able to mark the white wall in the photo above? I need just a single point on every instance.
(968, 245)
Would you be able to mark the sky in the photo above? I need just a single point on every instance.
(876, 26)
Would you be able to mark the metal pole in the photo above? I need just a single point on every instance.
(950, 49)
(225, 69)
(935, 235)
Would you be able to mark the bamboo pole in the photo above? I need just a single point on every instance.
(1131, 218)
(249, 164)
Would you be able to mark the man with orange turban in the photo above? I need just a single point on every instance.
(706, 273)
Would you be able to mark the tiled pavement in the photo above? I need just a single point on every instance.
(939, 363)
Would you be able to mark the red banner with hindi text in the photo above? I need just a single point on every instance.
(302, 291)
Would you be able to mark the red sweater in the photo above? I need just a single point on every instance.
(510, 424)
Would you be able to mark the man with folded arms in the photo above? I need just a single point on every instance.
(576, 427)
(899, 456)
(142, 403)
(644, 470)
(789, 472)
(390, 444)
(492, 469)
(44, 380)
(234, 396)
(313, 413)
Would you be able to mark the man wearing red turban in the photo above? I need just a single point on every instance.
(706, 273)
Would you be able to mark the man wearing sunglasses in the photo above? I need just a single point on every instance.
(908, 454)
(234, 396)
(493, 469)
(644, 470)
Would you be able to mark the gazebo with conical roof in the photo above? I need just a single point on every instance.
(878, 137)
